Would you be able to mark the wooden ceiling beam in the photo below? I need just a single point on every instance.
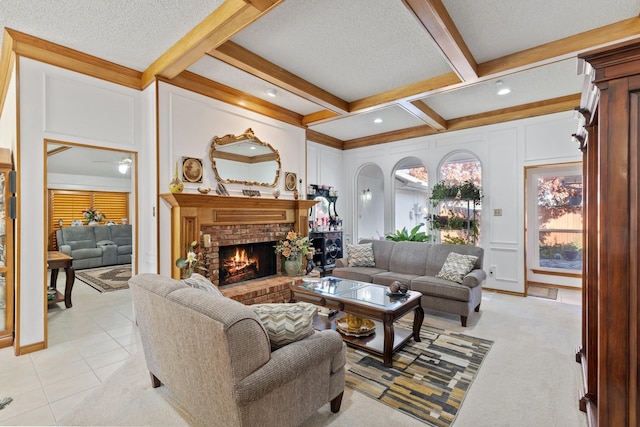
(222, 24)
(54, 54)
(198, 84)
(436, 20)
(533, 109)
(392, 136)
(425, 113)
(245, 60)
(323, 139)
(550, 106)
(568, 47)
(319, 117)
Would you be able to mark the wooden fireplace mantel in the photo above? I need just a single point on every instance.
(189, 212)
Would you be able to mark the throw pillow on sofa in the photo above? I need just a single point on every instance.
(198, 281)
(360, 255)
(456, 266)
(286, 323)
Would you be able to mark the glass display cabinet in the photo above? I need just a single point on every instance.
(6, 252)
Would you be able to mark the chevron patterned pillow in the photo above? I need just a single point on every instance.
(361, 255)
(456, 266)
(286, 323)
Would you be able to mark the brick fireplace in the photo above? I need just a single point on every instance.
(229, 220)
(238, 235)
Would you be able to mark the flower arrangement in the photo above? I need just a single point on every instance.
(292, 245)
(91, 214)
(191, 262)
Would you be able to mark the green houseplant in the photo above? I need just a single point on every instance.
(448, 196)
(413, 236)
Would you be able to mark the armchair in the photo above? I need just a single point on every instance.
(214, 355)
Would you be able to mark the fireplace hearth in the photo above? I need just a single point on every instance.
(242, 262)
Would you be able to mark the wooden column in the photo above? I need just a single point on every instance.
(617, 76)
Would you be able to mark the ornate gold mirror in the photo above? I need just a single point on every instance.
(244, 159)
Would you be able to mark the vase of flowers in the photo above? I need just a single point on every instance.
(294, 249)
(191, 262)
(92, 216)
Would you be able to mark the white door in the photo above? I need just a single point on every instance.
(554, 225)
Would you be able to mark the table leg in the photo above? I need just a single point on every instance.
(389, 337)
(54, 278)
(418, 317)
(71, 277)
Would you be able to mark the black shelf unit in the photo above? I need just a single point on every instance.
(327, 247)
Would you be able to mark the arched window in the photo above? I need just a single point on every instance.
(411, 185)
(460, 167)
(456, 214)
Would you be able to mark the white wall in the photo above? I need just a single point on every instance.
(8, 129)
(504, 150)
(324, 167)
(66, 106)
(187, 123)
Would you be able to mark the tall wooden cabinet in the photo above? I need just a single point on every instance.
(6, 252)
(610, 351)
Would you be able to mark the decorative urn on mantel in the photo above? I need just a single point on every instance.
(176, 185)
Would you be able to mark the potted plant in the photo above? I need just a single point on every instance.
(570, 250)
(92, 216)
(413, 236)
(294, 249)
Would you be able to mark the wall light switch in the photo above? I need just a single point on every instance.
(497, 212)
(207, 240)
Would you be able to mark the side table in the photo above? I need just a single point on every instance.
(55, 261)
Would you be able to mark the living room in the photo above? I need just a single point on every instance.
(168, 120)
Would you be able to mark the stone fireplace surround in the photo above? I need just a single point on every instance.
(236, 220)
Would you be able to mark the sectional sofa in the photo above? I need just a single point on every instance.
(96, 246)
(417, 265)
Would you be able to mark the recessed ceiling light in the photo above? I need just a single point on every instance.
(377, 120)
(271, 92)
(502, 89)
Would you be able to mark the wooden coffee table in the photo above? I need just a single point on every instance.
(369, 301)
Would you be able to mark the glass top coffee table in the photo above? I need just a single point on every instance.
(374, 304)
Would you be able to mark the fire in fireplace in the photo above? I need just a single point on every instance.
(245, 262)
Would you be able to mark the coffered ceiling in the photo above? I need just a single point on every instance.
(418, 66)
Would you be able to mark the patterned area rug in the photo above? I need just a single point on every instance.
(106, 279)
(542, 292)
(429, 379)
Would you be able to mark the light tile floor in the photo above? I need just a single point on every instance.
(86, 344)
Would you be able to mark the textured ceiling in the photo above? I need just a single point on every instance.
(352, 49)
(362, 59)
(495, 28)
(130, 33)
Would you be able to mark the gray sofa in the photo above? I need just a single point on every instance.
(416, 265)
(96, 246)
(214, 355)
